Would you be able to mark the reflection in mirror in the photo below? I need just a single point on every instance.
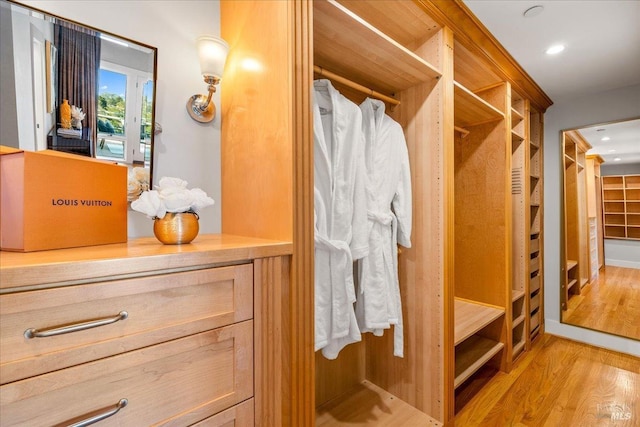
(600, 285)
(74, 88)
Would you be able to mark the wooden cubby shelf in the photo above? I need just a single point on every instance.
(517, 294)
(470, 317)
(518, 320)
(621, 206)
(472, 354)
(516, 138)
(386, 65)
(470, 109)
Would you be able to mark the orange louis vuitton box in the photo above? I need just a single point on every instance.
(54, 200)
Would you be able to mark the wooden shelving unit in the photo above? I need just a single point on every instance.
(621, 206)
(535, 220)
(576, 225)
(473, 350)
(461, 122)
(520, 198)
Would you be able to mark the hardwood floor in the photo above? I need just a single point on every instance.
(610, 304)
(560, 383)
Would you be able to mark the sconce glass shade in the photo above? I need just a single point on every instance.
(212, 52)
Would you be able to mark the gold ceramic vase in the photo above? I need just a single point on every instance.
(176, 228)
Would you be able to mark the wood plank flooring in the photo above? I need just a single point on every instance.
(560, 383)
(610, 304)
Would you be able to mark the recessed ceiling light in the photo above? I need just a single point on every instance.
(612, 151)
(617, 159)
(606, 138)
(555, 49)
(533, 11)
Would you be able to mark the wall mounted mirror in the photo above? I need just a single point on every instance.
(108, 82)
(600, 283)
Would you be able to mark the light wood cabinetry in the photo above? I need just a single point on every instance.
(595, 215)
(170, 342)
(576, 247)
(535, 224)
(621, 206)
(465, 107)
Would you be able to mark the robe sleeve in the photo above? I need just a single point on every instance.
(402, 202)
(360, 227)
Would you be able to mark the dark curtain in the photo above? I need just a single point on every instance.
(79, 63)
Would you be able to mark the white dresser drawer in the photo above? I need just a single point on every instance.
(179, 383)
(159, 308)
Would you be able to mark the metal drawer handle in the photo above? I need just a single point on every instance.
(99, 417)
(34, 333)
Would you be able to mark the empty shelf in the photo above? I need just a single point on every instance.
(470, 317)
(571, 263)
(517, 348)
(517, 294)
(472, 355)
(571, 284)
(384, 65)
(470, 109)
(368, 401)
(518, 320)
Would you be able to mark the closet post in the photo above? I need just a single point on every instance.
(448, 173)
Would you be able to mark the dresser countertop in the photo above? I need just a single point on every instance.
(138, 256)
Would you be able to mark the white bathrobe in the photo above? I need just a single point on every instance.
(340, 216)
(389, 217)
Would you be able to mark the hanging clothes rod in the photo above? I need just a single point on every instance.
(343, 80)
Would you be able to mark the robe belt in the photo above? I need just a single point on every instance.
(341, 272)
(381, 217)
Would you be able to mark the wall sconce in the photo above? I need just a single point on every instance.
(212, 52)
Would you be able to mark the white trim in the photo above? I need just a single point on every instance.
(621, 263)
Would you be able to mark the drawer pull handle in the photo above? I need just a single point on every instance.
(34, 333)
(101, 416)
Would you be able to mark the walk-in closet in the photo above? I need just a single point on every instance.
(471, 283)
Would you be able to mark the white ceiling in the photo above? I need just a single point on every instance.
(602, 39)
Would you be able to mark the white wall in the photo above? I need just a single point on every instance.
(185, 149)
(570, 113)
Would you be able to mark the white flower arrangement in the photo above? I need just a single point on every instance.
(77, 116)
(172, 195)
(138, 182)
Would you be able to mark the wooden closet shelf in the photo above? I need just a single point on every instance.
(568, 161)
(572, 284)
(517, 321)
(534, 177)
(470, 317)
(571, 263)
(517, 348)
(339, 36)
(517, 294)
(516, 116)
(472, 355)
(516, 138)
(470, 109)
(583, 282)
(370, 402)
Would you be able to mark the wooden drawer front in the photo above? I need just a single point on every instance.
(534, 284)
(535, 321)
(534, 245)
(240, 415)
(535, 301)
(160, 308)
(534, 264)
(176, 383)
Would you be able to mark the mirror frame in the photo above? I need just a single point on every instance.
(562, 251)
(154, 50)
